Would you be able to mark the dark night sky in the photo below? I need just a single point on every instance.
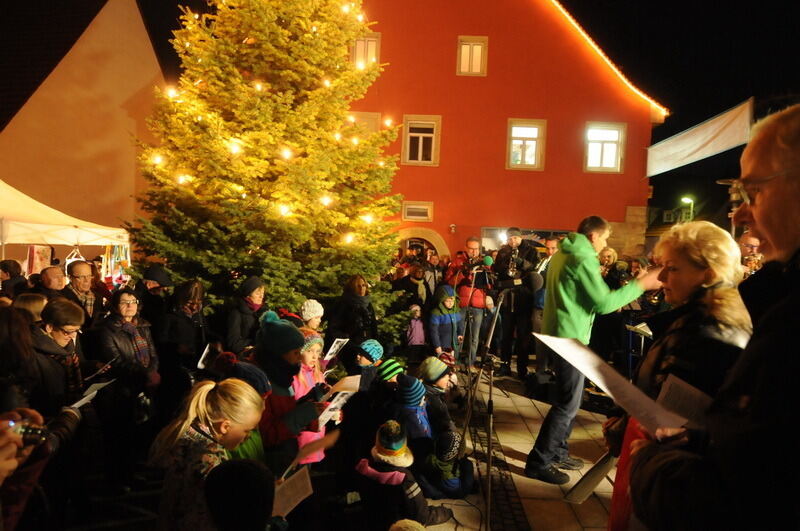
(698, 58)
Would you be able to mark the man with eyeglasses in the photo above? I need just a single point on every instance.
(740, 472)
(79, 291)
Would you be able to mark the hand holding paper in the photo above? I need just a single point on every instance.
(650, 414)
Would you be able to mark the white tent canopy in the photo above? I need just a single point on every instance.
(27, 221)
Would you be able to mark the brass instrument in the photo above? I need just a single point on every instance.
(512, 265)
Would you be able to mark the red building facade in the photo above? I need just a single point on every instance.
(512, 117)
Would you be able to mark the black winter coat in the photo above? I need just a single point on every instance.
(526, 260)
(732, 475)
(117, 343)
(692, 345)
(438, 415)
(391, 493)
(352, 317)
(242, 325)
(48, 391)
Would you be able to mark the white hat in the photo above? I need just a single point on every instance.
(310, 309)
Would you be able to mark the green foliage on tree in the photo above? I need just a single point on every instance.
(259, 169)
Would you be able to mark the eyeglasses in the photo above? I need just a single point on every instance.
(70, 333)
(81, 277)
(128, 303)
(749, 189)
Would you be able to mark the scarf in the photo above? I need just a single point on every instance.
(87, 299)
(253, 306)
(72, 367)
(141, 348)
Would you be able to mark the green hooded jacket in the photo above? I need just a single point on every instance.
(576, 291)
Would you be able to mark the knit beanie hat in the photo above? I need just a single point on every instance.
(431, 369)
(447, 445)
(391, 439)
(371, 349)
(229, 366)
(409, 390)
(249, 286)
(389, 369)
(311, 337)
(310, 309)
(513, 231)
(157, 273)
(276, 336)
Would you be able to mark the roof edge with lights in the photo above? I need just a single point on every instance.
(657, 111)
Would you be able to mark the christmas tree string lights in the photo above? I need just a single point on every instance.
(258, 168)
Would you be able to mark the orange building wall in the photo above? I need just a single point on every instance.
(539, 67)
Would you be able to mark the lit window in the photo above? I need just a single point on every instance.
(525, 150)
(421, 139)
(367, 50)
(605, 144)
(472, 55)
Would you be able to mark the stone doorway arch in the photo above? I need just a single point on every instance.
(426, 234)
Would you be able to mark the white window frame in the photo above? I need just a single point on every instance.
(417, 204)
(541, 125)
(621, 128)
(360, 50)
(472, 41)
(409, 121)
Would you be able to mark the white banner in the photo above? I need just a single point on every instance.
(718, 134)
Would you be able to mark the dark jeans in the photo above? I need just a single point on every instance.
(551, 444)
(517, 312)
(472, 333)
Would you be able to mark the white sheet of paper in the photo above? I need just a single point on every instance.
(90, 393)
(334, 407)
(348, 383)
(291, 492)
(650, 414)
(338, 343)
(201, 363)
(642, 329)
(684, 399)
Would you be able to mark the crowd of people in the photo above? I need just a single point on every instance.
(226, 412)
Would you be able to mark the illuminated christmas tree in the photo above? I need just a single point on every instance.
(260, 167)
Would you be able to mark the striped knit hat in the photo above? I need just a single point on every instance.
(310, 338)
(431, 369)
(389, 369)
(391, 439)
(410, 390)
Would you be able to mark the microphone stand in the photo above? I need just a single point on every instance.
(488, 361)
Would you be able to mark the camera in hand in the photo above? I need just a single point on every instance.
(31, 433)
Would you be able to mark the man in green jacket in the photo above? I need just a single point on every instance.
(575, 293)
